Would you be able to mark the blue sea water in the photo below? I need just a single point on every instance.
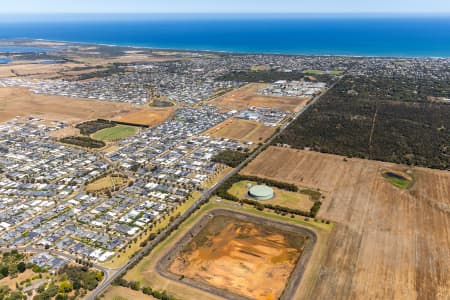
(24, 49)
(367, 35)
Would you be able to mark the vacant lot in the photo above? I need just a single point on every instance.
(282, 197)
(106, 183)
(240, 257)
(21, 277)
(236, 255)
(148, 271)
(389, 243)
(247, 96)
(20, 102)
(243, 130)
(147, 116)
(115, 133)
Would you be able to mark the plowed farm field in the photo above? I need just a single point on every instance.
(388, 242)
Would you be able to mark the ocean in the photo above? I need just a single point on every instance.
(353, 35)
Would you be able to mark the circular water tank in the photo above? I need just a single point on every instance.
(261, 192)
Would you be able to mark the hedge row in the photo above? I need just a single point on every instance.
(135, 285)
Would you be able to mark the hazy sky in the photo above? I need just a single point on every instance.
(224, 6)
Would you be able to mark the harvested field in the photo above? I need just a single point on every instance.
(147, 116)
(20, 102)
(389, 243)
(36, 70)
(247, 96)
(96, 58)
(243, 130)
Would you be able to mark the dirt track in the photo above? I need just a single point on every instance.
(389, 243)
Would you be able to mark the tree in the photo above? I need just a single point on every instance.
(4, 271)
(21, 267)
(61, 297)
(135, 285)
(65, 286)
(16, 295)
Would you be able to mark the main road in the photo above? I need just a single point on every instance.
(113, 274)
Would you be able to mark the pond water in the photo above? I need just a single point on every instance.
(394, 175)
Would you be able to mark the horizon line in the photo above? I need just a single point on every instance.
(234, 13)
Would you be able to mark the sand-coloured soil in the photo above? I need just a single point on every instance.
(247, 97)
(147, 116)
(245, 258)
(20, 102)
(243, 130)
(389, 242)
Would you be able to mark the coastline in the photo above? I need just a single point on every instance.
(217, 52)
(391, 36)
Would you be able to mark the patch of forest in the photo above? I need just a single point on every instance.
(378, 118)
(83, 141)
(90, 127)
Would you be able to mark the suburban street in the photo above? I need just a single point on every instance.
(114, 274)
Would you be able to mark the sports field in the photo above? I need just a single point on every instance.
(115, 133)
